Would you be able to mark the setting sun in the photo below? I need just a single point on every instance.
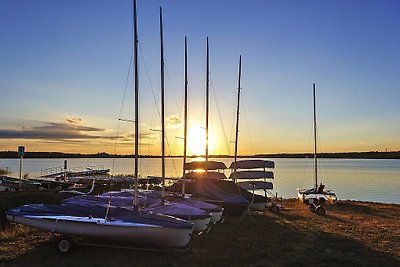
(197, 141)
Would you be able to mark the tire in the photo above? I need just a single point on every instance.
(64, 245)
(321, 200)
(320, 210)
(312, 207)
(274, 209)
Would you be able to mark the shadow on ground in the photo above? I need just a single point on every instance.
(260, 240)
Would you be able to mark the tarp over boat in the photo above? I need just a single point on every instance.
(256, 185)
(252, 164)
(252, 175)
(233, 204)
(97, 211)
(153, 202)
(205, 175)
(205, 165)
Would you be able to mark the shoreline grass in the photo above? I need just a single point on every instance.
(352, 233)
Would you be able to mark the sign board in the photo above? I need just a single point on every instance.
(21, 151)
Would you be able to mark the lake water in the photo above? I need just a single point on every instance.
(376, 180)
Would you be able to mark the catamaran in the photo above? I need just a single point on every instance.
(318, 194)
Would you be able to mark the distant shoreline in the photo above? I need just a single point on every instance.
(343, 155)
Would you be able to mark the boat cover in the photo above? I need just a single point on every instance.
(234, 188)
(251, 175)
(180, 210)
(203, 165)
(204, 175)
(152, 202)
(99, 211)
(200, 204)
(209, 190)
(255, 185)
(252, 164)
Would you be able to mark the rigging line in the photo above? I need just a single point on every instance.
(322, 168)
(171, 91)
(306, 162)
(177, 107)
(148, 77)
(122, 108)
(152, 90)
(233, 128)
(247, 126)
(219, 114)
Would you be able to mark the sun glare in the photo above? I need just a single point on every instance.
(196, 140)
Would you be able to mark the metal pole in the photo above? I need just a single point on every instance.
(20, 172)
(315, 141)
(185, 120)
(207, 103)
(237, 116)
(162, 109)
(136, 88)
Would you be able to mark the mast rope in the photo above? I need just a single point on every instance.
(219, 114)
(121, 109)
(155, 101)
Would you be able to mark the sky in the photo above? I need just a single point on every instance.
(66, 77)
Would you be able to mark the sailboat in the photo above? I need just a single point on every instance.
(180, 209)
(251, 175)
(318, 194)
(150, 200)
(207, 183)
(107, 222)
(214, 210)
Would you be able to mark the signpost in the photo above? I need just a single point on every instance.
(21, 153)
(65, 168)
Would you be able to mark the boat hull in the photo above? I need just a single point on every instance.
(200, 225)
(216, 216)
(305, 195)
(258, 206)
(101, 229)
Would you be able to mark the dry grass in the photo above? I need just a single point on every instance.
(352, 233)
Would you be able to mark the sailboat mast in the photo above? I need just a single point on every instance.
(315, 141)
(185, 119)
(207, 101)
(237, 114)
(136, 88)
(162, 108)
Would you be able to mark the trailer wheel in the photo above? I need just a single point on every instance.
(312, 207)
(64, 245)
(320, 210)
(274, 209)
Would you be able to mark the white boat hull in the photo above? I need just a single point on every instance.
(216, 216)
(328, 196)
(99, 228)
(259, 206)
(201, 225)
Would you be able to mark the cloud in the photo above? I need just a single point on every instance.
(74, 120)
(68, 130)
(71, 131)
(362, 143)
(174, 121)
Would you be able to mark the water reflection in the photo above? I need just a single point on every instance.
(359, 179)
